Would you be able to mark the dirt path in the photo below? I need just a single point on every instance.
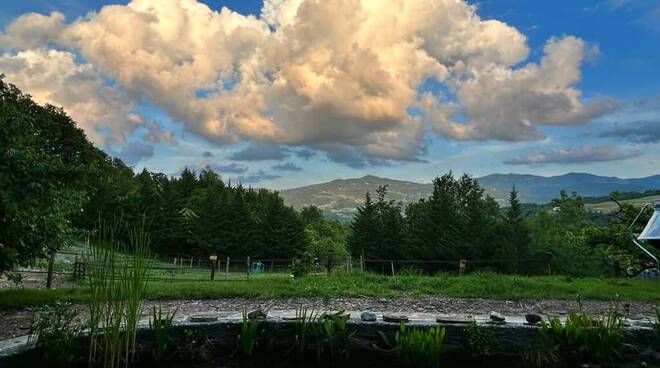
(16, 323)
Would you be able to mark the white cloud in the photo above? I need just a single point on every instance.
(54, 77)
(336, 76)
(32, 30)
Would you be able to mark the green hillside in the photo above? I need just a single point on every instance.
(611, 206)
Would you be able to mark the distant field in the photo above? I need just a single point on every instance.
(610, 206)
(478, 285)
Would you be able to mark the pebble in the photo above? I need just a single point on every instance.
(496, 317)
(368, 315)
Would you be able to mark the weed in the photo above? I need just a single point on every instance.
(480, 341)
(54, 331)
(160, 325)
(16, 278)
(420, 347)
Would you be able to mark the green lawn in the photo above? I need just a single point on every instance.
(484, 285)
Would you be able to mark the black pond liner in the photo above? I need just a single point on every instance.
(276, 338)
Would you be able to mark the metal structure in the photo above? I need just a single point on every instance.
(651, 233)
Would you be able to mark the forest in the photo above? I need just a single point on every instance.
(56, 186)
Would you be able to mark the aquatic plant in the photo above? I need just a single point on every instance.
(480, 341)
(117, 284)
(160, 325)
(248, 337)
(581, 338)
(307, 323)
(420, 347)
(54, 330)
(335, 335)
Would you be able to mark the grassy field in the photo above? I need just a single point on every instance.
(610, 206)
(481, 285)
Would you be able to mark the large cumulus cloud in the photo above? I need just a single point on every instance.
(334, 75)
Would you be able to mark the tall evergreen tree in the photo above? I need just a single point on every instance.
(516, 233)
(364, 236)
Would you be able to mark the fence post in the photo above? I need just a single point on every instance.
(49, 277)
(248, 267)
(227, 269)
(214, 260)
(361, 263)
(392, 265)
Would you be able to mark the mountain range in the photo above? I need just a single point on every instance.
(342, 196)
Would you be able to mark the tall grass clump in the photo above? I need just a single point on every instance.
(120, 259)
(160, 325)
(54, 330)
(420, 347)
(581, 339)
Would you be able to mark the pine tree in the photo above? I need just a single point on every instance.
(365, 234)
(517, 234)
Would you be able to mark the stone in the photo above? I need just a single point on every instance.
(257, 314)
(368, 315)
(394, 318)
(496, 317)
(532, 318)
(203, 318)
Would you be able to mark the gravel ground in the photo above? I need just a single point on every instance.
(16, 323)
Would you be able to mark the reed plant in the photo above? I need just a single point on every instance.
(119, 258)
(248, 337)
(160, 325)
(420, 347)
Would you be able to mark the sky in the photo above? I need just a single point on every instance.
(285, 93)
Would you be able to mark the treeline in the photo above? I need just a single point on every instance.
(459, 221)
(55, 186)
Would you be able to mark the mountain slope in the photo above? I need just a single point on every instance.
(342, 196)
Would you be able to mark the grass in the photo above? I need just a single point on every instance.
(478, 285)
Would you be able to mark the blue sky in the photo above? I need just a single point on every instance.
(620, 65)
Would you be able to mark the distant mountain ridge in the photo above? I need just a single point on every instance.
(342, 196)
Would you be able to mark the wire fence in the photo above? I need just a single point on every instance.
(75, 266)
